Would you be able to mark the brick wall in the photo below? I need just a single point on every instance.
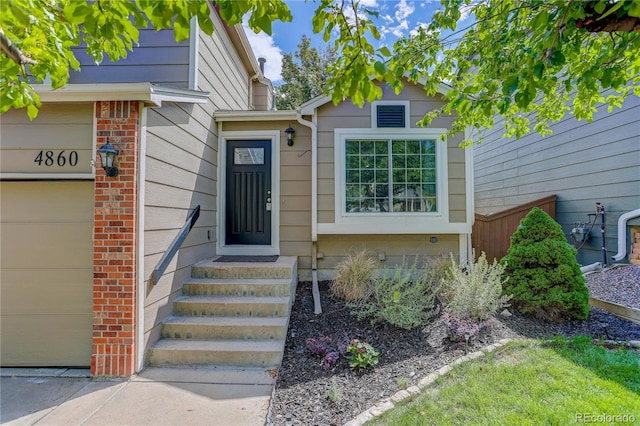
(114, 256)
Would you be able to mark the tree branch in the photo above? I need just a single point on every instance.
(12, 52)
(609, 23)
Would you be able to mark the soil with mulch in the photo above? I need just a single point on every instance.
(308, 394)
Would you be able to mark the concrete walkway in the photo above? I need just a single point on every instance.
(157, 396)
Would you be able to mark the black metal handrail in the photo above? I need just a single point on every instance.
(175, 245)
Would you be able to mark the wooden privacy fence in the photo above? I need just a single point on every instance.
(492, 232)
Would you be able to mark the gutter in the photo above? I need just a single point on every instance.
(622, 234)
(152, 95)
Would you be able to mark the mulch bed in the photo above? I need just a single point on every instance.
(301, 396)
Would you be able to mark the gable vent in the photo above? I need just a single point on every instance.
(390, 116)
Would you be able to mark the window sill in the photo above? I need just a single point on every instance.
(394, 225)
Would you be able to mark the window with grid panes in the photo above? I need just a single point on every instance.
(390, 175)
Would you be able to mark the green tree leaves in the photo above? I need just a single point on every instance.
(529, 61)
(546, 65)
(37, 37)
(305, 74)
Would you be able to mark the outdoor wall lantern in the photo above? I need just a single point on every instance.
(289, 132)
(108, 156)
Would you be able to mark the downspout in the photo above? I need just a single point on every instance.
(256, 77)
(314, 210)
(622, 234)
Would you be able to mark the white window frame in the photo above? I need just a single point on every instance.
(374, 113)
(390, 222)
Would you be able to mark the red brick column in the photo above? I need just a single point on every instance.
(114, 247)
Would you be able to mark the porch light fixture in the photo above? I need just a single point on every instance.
(289, 132)
(108, 156)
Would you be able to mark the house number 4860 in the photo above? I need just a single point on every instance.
(59, 158)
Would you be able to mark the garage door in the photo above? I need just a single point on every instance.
(46, 262)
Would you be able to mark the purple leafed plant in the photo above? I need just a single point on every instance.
(326, 348)
(461, 329)
(330, 359)
(320, 346)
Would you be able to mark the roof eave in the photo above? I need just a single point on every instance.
(151, 94)
(309, 107)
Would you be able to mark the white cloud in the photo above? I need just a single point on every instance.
(264, 47)
(369, 3)
(423, 25)
(400, 29)
(404, 9)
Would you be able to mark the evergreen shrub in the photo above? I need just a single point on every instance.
(544, 277)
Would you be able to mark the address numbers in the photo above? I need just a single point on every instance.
(57, 158)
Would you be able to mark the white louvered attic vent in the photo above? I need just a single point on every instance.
(391, 115)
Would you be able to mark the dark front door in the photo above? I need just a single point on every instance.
(248, 198)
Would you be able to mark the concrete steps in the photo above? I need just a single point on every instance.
(232, 306)
(237, 287)
(242, 328)
(217, 352)
(231, 314)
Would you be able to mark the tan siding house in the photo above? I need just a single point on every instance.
(322, 210)
(76, 271)
(82, 247)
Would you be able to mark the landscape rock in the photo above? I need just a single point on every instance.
(436, 333)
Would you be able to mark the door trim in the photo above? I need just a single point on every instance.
(239, 249)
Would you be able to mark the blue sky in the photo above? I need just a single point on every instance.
(397, 18)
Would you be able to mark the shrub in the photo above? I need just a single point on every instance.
(544, 276)
(473, 291)
(403, 297)
(436, 269)
(354, 276)
(361, 355)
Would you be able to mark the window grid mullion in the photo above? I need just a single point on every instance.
(390, 173)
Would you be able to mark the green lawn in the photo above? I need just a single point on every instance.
(532, 383)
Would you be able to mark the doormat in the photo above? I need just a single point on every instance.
(246, 259)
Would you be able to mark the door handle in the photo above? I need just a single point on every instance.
(268, 207)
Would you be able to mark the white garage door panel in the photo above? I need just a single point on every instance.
(46, 260)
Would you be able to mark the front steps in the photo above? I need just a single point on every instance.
(230, 314)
